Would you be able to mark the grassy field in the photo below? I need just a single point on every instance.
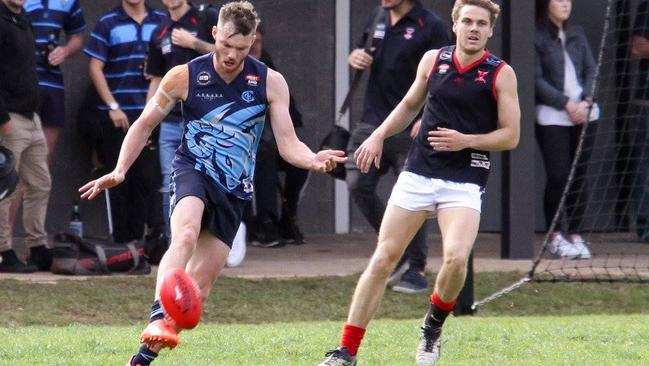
(293, 322)
(573, 340)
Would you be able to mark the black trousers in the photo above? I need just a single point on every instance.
(136, 202)
(558, 146)
(363, 187)
(268, 187)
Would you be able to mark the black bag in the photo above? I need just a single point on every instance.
(73, 255)
(338, 137)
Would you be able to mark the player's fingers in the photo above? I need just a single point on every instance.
(87, 186)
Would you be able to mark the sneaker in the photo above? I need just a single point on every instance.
(339, 357)
(10, 263)
(267, 235)
(563, 248)
(430, 346)
(582, 246)
(41, 257)
(238, 251)
(395, 276)
(161, 332)
(412, 282)
(290, 231)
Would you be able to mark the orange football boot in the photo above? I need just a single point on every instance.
(161, 332)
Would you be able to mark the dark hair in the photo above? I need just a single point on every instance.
(243, 16)
(542, 16)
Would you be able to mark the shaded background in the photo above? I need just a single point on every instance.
(300, 35)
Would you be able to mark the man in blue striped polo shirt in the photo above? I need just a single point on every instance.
(48, 18)
(117, 48)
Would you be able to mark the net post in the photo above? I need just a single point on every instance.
(464, 304)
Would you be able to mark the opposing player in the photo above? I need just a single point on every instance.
(226, 95)
(471, 107)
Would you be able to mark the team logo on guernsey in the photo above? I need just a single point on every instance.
(409, 32)
(443, 68)
(481, 77)
(203, 78)
(209, 96)
(480, 161)
(446, 55)
(379, 33)
(248, 96)
(253, 80)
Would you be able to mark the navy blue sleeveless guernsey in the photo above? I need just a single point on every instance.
(462, 99)
(224, 123)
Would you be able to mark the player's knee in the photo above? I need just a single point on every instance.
(383, 262)
(456, 259)
(185, 238)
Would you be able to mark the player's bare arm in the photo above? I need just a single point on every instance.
(371, 149)
(505, 137)
(173, 87)
(290, 147)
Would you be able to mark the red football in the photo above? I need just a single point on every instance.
(180, 298)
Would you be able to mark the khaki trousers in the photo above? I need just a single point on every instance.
(27, 142)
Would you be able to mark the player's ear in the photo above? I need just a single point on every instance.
(215, 30)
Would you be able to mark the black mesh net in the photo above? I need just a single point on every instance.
(606, 199)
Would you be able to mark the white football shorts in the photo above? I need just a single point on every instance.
(415, 192)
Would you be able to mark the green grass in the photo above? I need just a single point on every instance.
(125, 301)
(292, 322)
(552, 341)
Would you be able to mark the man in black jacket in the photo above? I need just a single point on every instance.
(21, 132)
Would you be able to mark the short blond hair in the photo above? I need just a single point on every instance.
(490, 6)
(242, 14)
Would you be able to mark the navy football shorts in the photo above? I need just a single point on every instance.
(223, 211)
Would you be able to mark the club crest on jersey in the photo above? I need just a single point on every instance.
(248, 96)
(379, 33)
(481, 77)
(203, 78)
(480, 161)
(446, 55)
(409, 32)
(443, 68)
(253, 80)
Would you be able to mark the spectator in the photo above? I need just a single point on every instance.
(565, 71)
(117, 48)
(636, 173)
(267, 231)
(401, 38)
(185, 35)
(21, 132)
(48, 17)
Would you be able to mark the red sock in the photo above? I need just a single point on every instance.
(351, 338)
(440, 304)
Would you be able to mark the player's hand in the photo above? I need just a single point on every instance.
(414, 131)
(369, 152)
(119, 118)
(583, 108)
(57, 56)
(91, 189)
(326, 160)
(6, 128)
(181, 37)
(445, 139)
(359, 59)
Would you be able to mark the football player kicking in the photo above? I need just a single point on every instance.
(470, 103)
(226, 96)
